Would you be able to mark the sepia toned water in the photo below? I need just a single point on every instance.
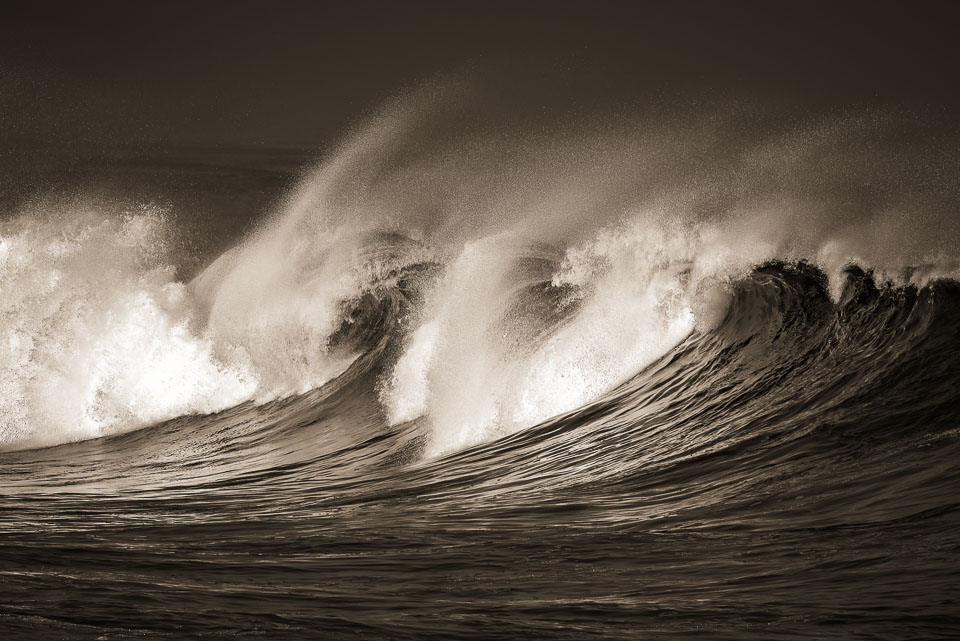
(387, 412)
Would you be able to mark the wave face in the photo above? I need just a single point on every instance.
(646, 379)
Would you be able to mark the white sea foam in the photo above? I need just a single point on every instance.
(96, 333)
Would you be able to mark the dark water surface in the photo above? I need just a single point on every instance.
(791, 474)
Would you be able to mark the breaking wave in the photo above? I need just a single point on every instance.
(531, 274)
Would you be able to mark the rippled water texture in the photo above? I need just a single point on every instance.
(421, 423)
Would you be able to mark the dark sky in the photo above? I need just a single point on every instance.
(300, 74)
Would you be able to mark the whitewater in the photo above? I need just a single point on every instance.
(636, 375)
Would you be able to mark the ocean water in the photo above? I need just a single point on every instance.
(658, 379)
